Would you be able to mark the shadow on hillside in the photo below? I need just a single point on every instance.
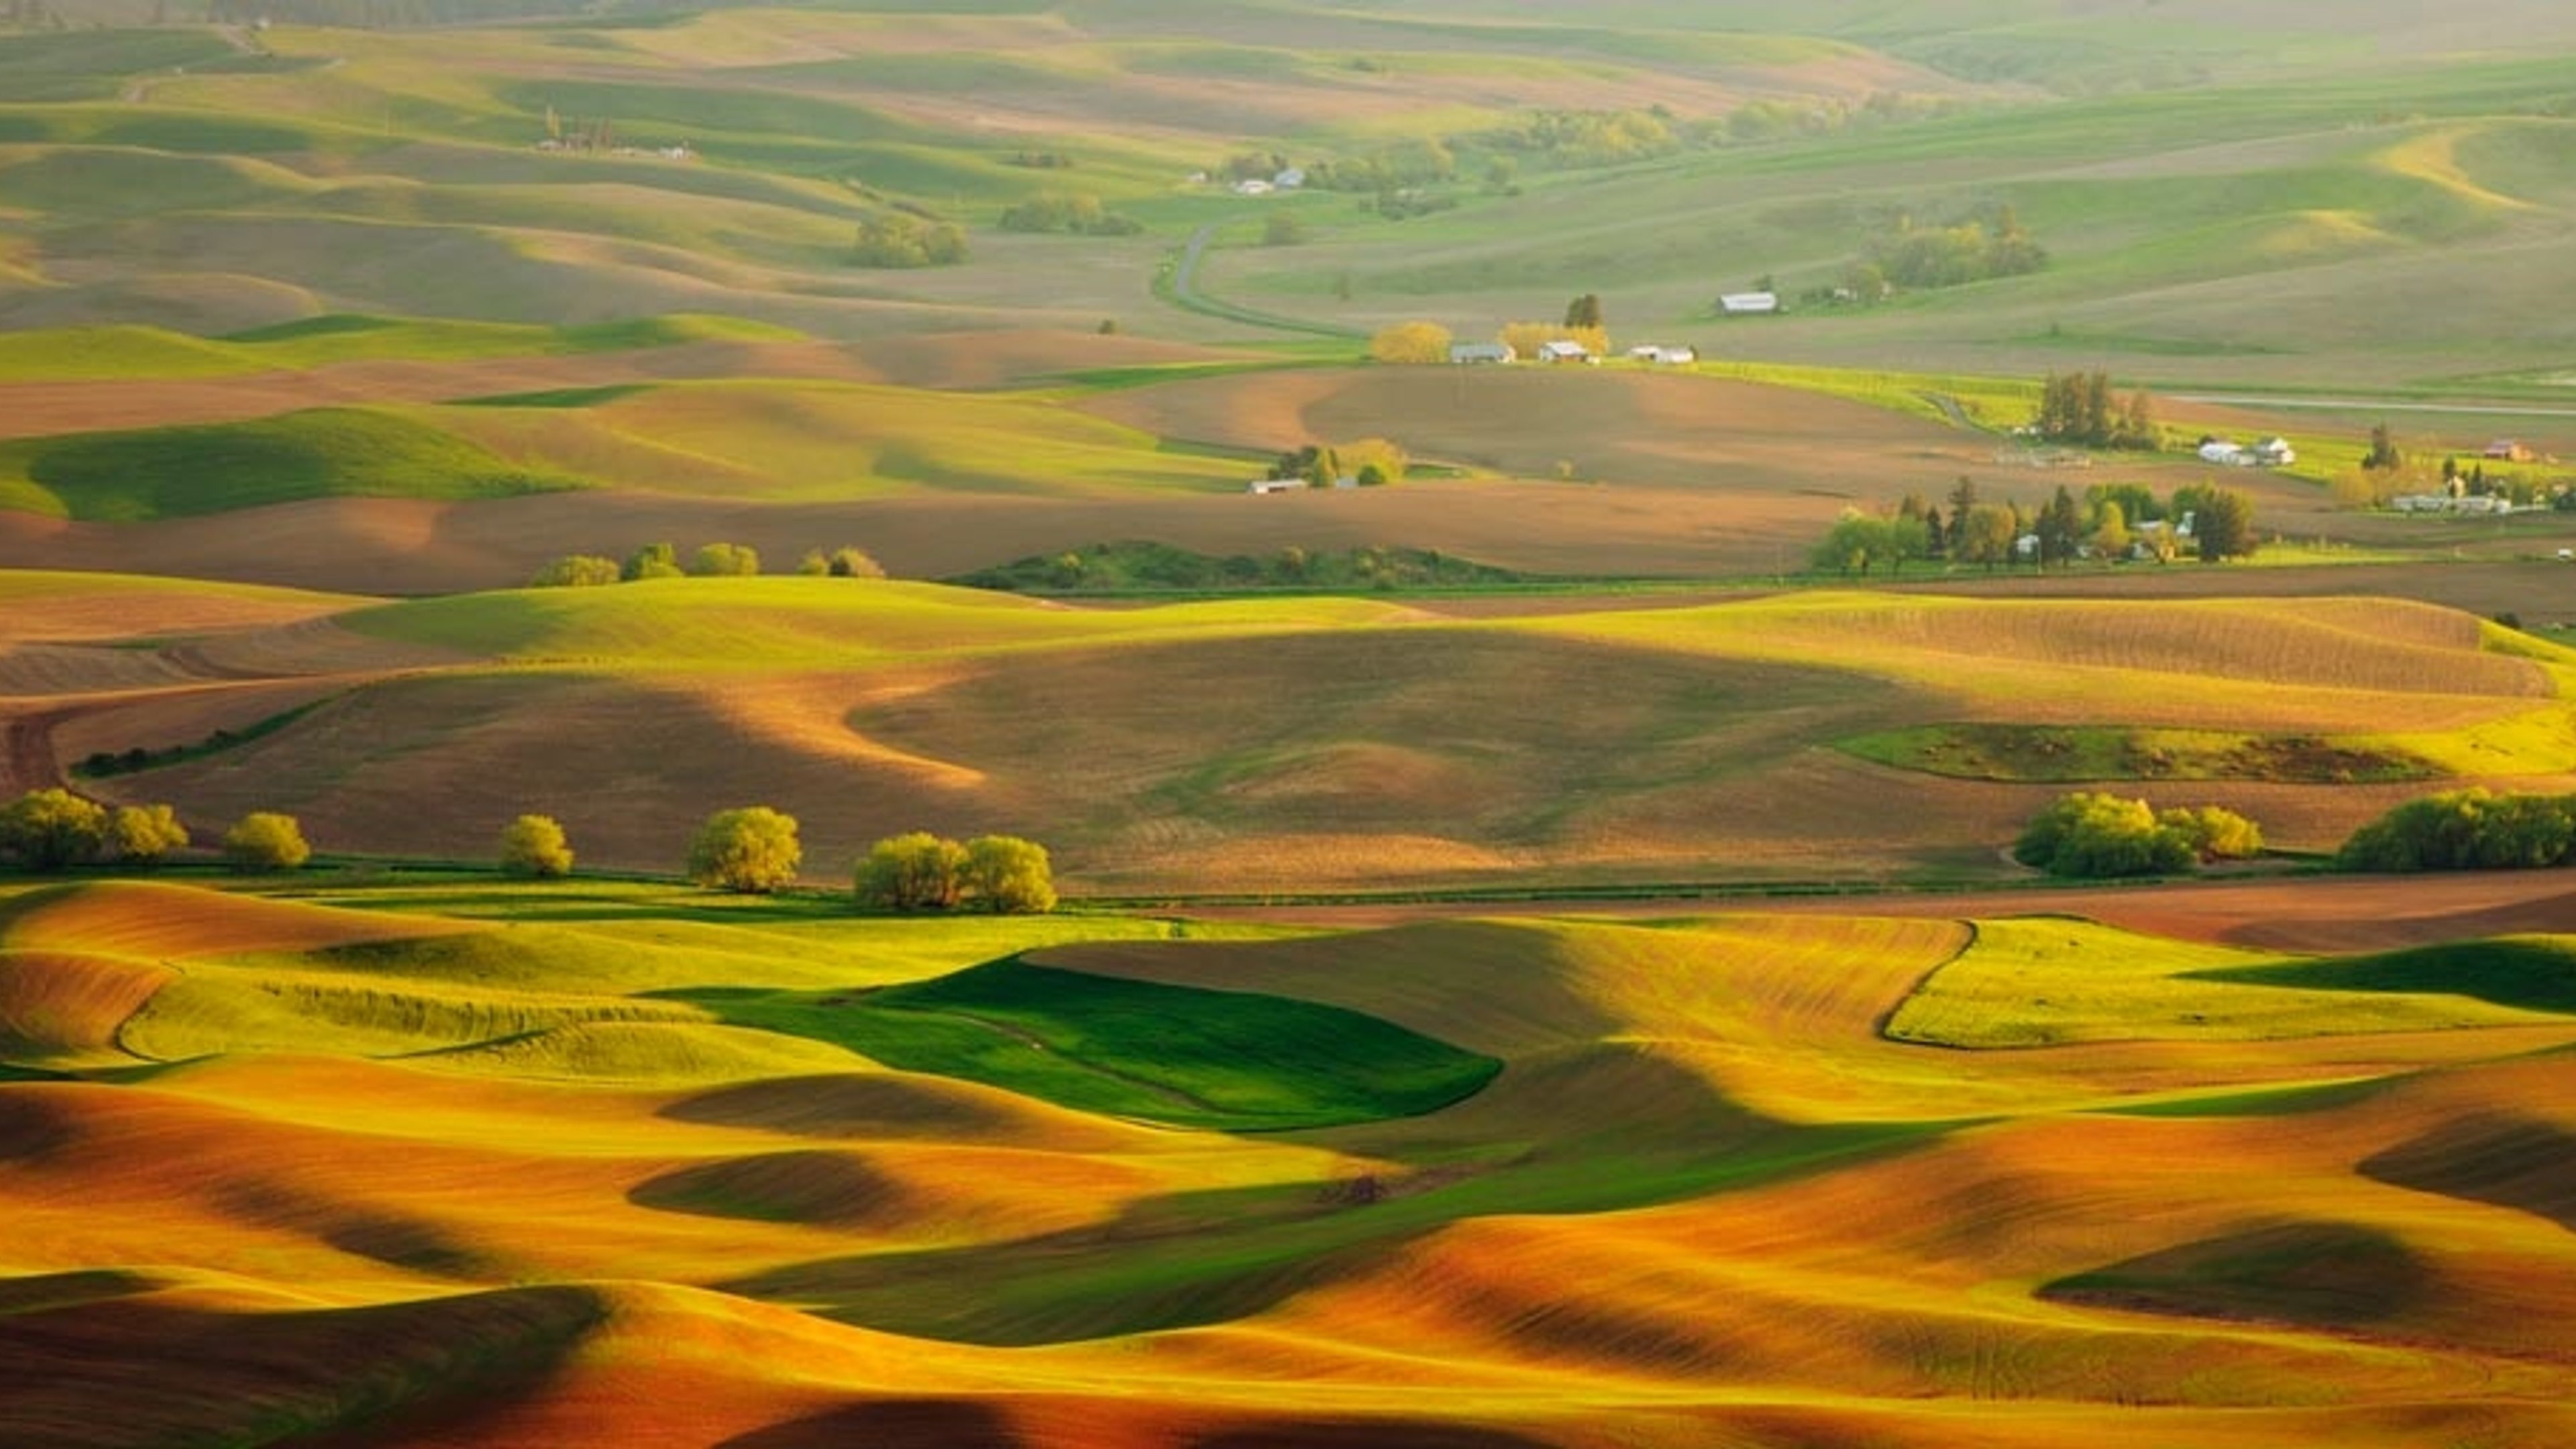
(2509, 1161)
(914, 1423)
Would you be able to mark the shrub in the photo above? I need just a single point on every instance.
(752, 850)
(2092, 835)
(845, 562)
(2215, 833)
(144, 834)
(2472, 829)
(652, 561)
(52, 829)
(533, 847)
(724, 560)
(265, 840)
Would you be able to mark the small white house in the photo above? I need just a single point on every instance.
(1252, 186)
(2275, 453)
(1663, 356)
(1276, 485)
(1749, 304)
(2225, 454)
(1564, 349)
(1289, 179)
(1472, 353)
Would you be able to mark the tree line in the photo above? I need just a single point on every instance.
(54, 830)
(709, 560)
(2105, 523)
(752, 850)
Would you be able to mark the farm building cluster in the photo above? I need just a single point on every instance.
(1566, 349)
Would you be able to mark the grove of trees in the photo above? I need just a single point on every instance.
(1055, 211)
(2094, 835)
(900, 240)
(1991, 243)
(2471, 829)
(54, 829)
(919, 871)
(2111, 521)
(2077, 408)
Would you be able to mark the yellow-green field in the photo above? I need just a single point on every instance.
(497, 1149)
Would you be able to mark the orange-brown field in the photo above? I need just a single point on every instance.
(1705, 1202)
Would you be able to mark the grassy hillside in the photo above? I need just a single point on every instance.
(180, 472)
(1290, 743)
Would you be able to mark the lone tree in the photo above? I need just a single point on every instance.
(913, 872)
(145, 834)
(52, 829)
(1584, 311)
(1009, 876)
(752, 850)
(2223, 523)
(266, 840)
(533, 848)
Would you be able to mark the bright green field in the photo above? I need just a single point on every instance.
(1225, 1060)
(2053, 981)
(179, 472)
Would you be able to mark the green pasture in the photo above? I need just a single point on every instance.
(2055, 981)
(191, 470)
(1225, 1060)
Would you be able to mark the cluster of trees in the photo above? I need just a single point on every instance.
(2471, 829)
(1369, 462)
(710, 560)
(54, 829)
(924, 872)
(1411, 342)
(900, 240)
(1577, 140)
(2093, 835)
(2077, 408)
(1989, 244)
(754, 850)
(1055, 211)
(2060, 531)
